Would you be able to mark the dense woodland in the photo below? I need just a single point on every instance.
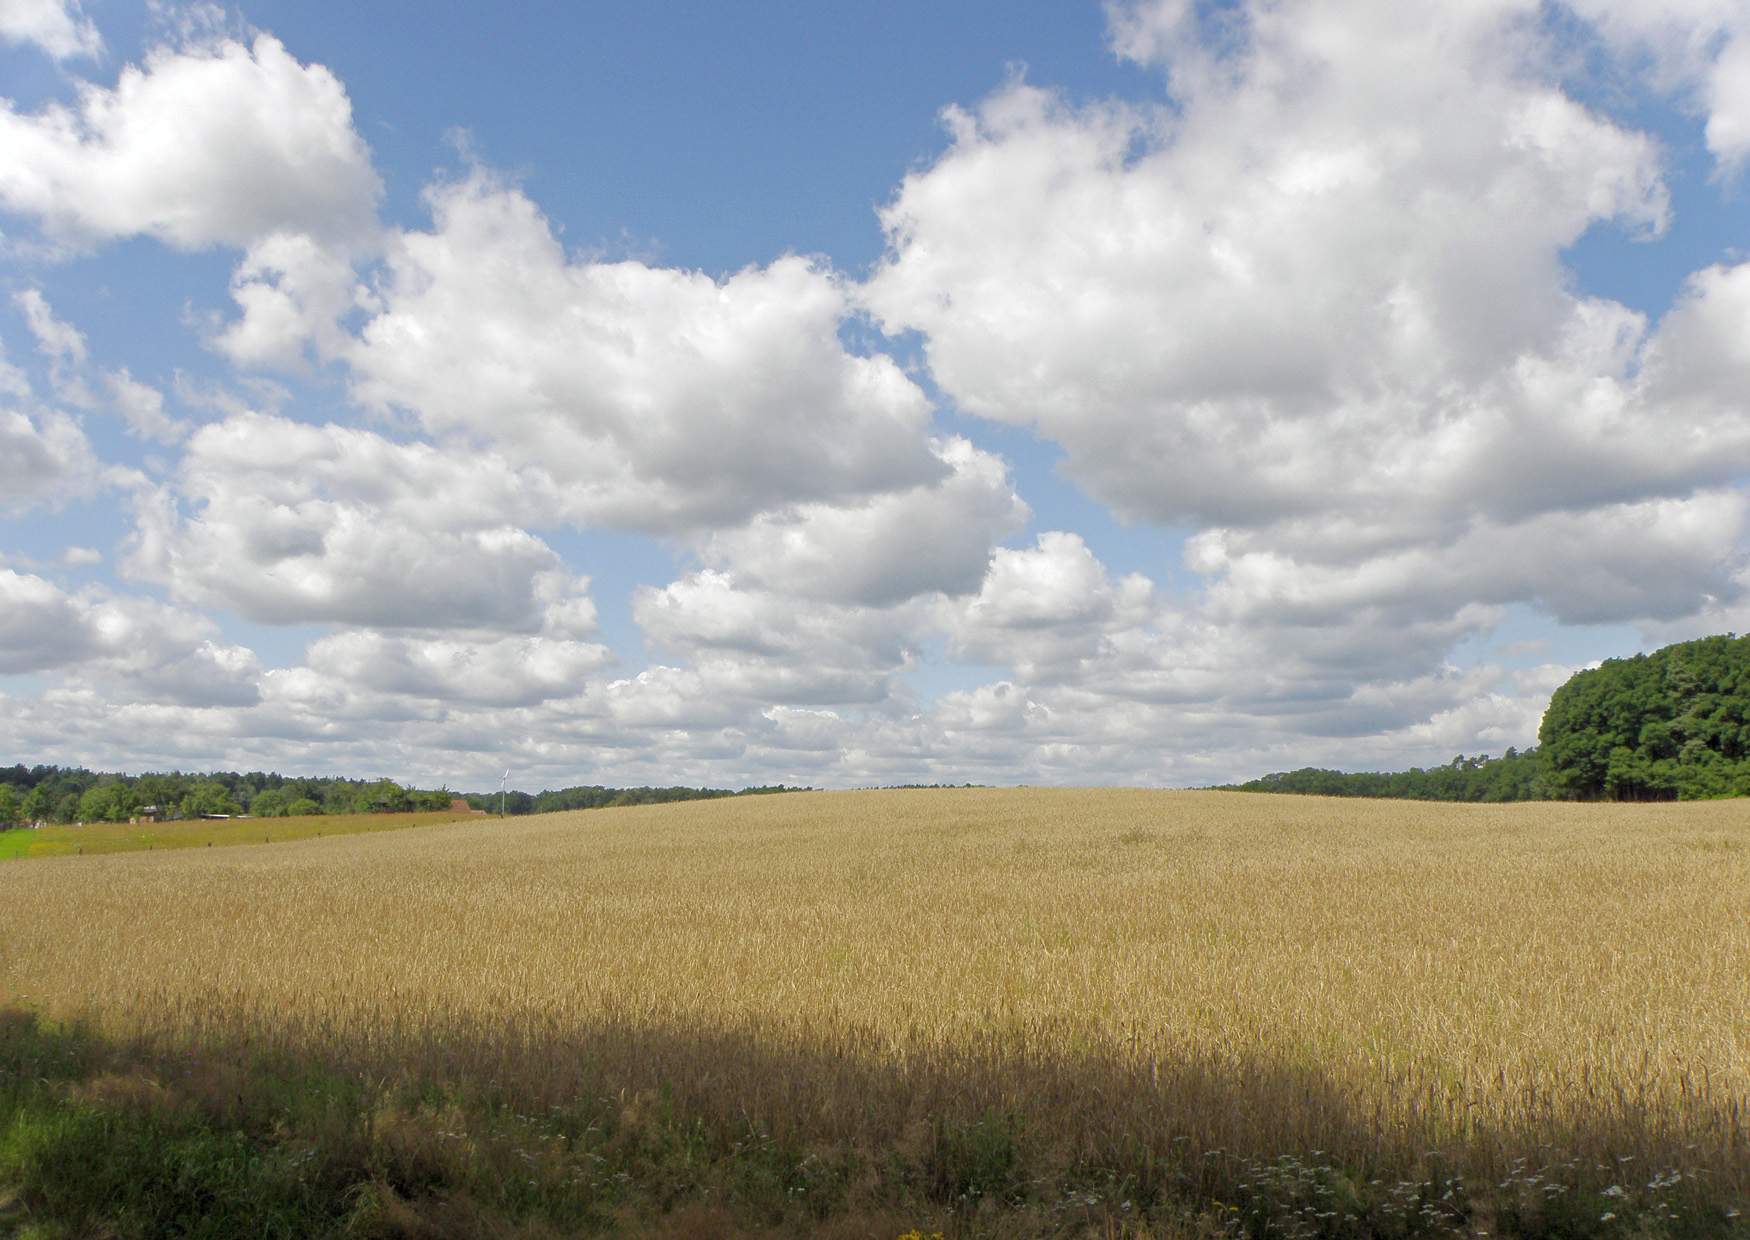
(1671, 725)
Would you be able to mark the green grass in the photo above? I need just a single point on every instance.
(103, 1139)
(113, 837)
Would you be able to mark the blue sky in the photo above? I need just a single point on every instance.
(582, 391)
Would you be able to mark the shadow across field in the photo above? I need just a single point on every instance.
(618, 1128)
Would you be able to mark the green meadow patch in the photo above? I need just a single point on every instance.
(113, 837)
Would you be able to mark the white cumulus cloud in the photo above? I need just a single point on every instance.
(513, 671)
(935, 537)
(287, 522)
(219, 143)
(135, 648)
(1700, 52)
(1313, 304)
(45, 460)
(654, 398)
(58, 27)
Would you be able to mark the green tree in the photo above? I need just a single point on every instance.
(271, 803)
(1674, 723)
(385, 797)
(302, 807)
(11, 806)
(208, 796)
(342, 797)
(164, 791)
(104, 803)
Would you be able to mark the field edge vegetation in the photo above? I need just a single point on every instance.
(123, 1139)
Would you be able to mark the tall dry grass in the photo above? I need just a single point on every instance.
(1128, 976)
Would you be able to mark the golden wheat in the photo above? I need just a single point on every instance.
(1126, 972)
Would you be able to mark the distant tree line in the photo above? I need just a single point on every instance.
(61, 794)
(595, 796)
(1515, 776)
(1666, 726)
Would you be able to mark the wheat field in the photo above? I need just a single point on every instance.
(1135, 979)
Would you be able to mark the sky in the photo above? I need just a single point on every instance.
(1157, 393)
